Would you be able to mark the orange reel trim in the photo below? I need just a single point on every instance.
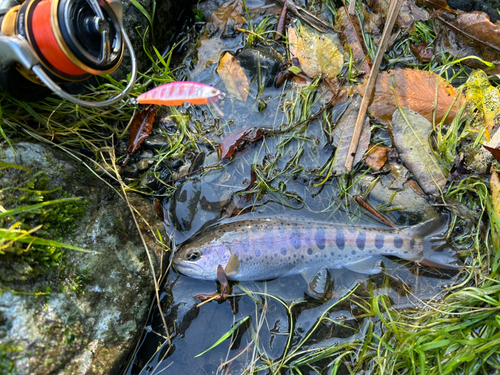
(47, 43)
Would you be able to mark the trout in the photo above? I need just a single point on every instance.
(264, 249)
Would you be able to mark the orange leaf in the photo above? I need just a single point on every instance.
(415, 89)
(234, 77)
(219, 34)
(377, 157)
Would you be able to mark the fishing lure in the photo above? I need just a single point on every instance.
(178, 93)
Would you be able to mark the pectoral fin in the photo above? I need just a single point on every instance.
(317, 280)
(232, 266)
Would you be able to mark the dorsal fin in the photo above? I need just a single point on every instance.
(435, 226)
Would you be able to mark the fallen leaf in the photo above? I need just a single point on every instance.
(140, 129)
(495, 193)
(422, 52)
(411, 132)
(415, 89)
(408, 14)
(377, 157)
(476, 25)
(436, 4)
(234, 77)
(318, 53)
(231, 143)
(280, 27)
(351, 37)
(342, 135)
(461, 210)
(468, 34)
(494, 151)
(372, 22)
(486, 99)
(219, 34)
(228, 17)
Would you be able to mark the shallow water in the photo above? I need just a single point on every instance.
(282, 174)
(264, 338)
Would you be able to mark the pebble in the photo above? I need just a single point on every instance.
(147, 154)
(143, 164)
(157, 140)
(130, 171)
(149, 180)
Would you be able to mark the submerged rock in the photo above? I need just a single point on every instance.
(92, 328)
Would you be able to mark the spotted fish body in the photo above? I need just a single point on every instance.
(263, 249)
(178, 93)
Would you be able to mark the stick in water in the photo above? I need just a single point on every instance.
(392, 15)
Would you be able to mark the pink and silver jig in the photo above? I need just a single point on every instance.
(178, 93)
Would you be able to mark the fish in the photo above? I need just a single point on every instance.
(178, 93)
(267, 248)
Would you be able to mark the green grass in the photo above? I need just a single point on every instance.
(33, 221)
(456, 334)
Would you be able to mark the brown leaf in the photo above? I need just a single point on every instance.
(280, 27)
(377, 157)
(475, 25)
(408, 14)
(436, 4)
(468, 34)
(234, 77)
(225, 290)
(422, 52)
(415, 89)
(351, 37)
(494, 151)
(372, 22)
(230, 143)
(218, 35)
(228, 17)
(140, 129)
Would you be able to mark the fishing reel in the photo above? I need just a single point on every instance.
(44, 43)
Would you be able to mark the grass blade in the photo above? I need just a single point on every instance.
(225, 336)
(24, 209)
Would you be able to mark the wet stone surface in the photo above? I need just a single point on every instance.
(91, 331)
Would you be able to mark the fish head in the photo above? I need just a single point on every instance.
(201, 262)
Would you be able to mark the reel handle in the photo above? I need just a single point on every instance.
(16, 49)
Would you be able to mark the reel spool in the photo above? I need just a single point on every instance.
(49, 41)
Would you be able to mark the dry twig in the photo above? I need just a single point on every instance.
(392, 15)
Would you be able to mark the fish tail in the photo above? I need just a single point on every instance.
(436, 252)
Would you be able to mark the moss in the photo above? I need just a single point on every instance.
(21, 260)
(7, 366)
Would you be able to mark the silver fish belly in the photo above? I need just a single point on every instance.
(264, 249)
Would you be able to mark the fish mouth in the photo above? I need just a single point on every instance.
(190, 269)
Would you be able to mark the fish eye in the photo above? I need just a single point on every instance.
(213, 92)
(193, 255)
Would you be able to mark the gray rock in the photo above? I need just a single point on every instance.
(93, 331)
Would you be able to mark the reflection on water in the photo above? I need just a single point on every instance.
(275, 308)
